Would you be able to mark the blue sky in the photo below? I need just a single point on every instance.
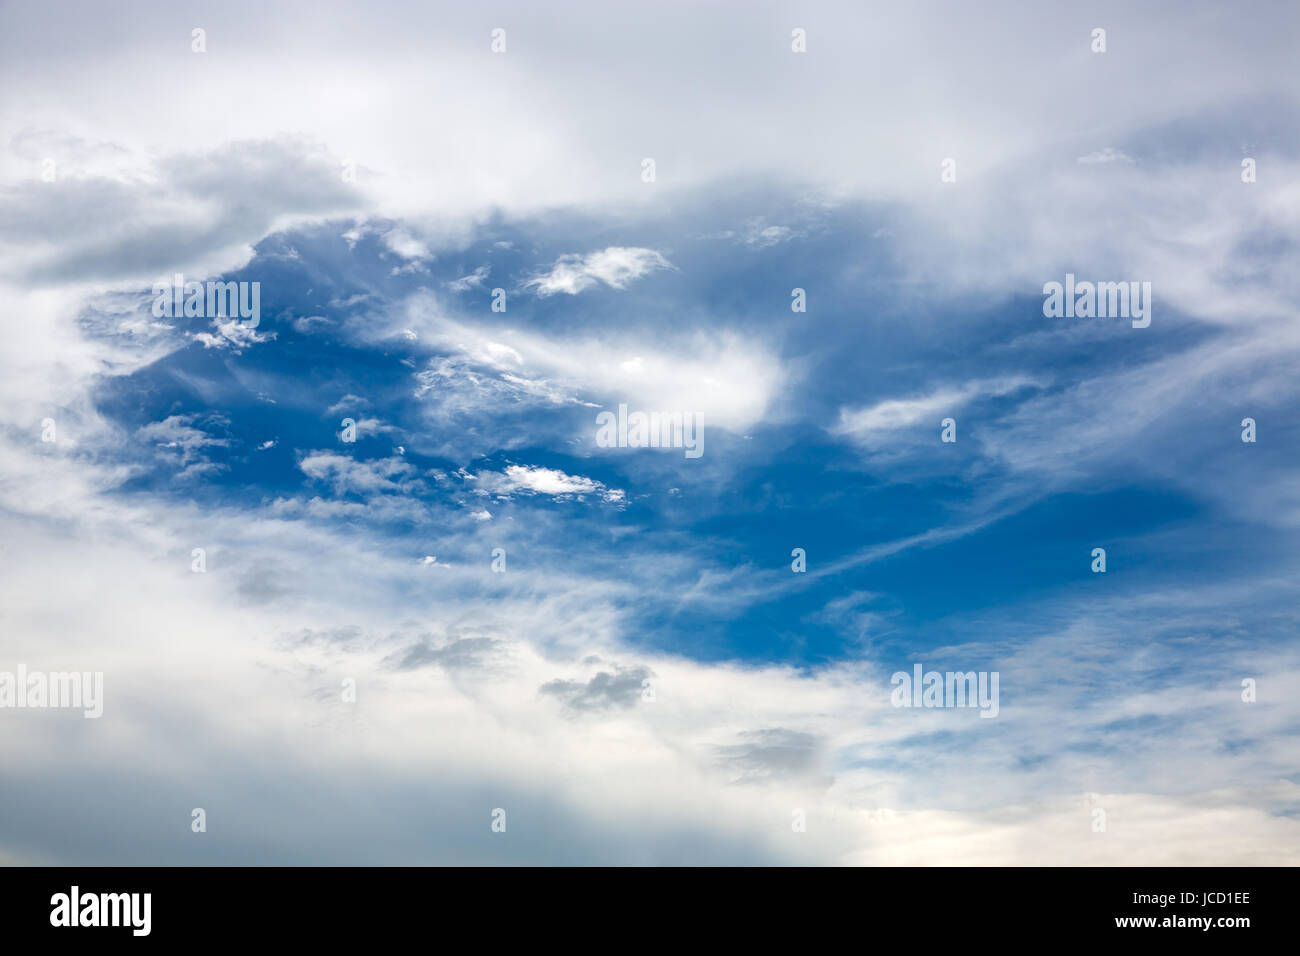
(794, 483)
(649, 680)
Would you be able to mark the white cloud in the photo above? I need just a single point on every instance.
(757, 234)
(401, 242)
(525, 479)
(615, 266)
(472, 281)
(178, 435)
(244, 665)
(306, 324)
(287, 607)
(348, 403)
(731, 379)
(232, 334)
(344, 474)
(1108, 155)
(875, 422)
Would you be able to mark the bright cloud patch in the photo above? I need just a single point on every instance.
(521, 479)
(873, 422)
(233, 334)
(729, 379)
(615, 267)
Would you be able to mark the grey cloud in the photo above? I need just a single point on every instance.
(267, 807)
(344, 636)
(605, 691)
(772, 753)
(261, 586)
(466, 653)
(178, 213)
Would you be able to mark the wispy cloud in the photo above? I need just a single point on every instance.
(615, 267)
(871, 424)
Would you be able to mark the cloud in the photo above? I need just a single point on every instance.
(472, 281)
(463, 385)
(402, 243)
(1108, 155)
(232, 334)
(344, 474)
(757, 234)
(306, 324)
(195, 213)
(182, 445)
(730, 379)
(615, 266)
(524, 479)
(620, 688)
(771, 752)
(778, 730)
(873, 423)
(1125, 698)
(460, 653)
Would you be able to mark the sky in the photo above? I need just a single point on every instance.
(365, 584)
